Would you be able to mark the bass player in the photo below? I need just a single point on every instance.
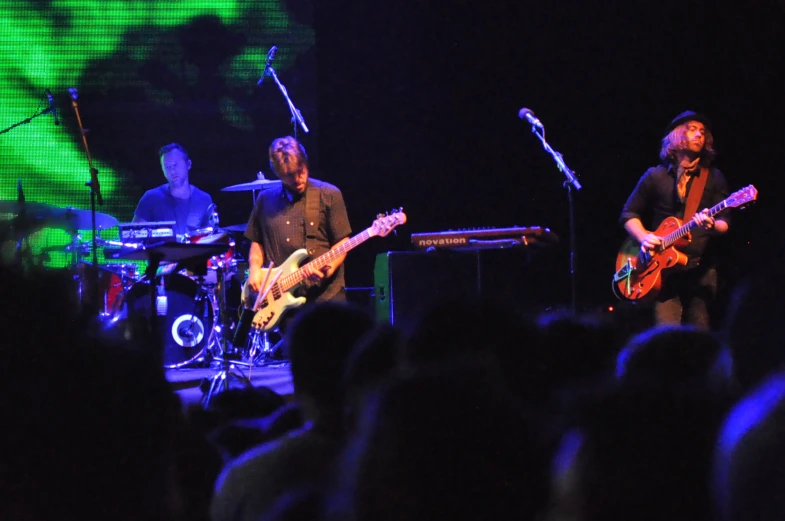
(683, 182)
(303, 213)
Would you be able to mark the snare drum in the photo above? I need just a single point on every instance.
(113, 280)
(225, 261)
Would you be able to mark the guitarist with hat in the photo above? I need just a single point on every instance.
(684, 182)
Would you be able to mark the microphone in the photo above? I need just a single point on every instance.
(270, 57)
(74, 93)
(161, 301)
(20, 194)
(52, 107)
(529, 116)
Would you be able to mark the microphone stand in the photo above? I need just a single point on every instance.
(297, 117)
(95, 193)
(27, 120)
(570, 183)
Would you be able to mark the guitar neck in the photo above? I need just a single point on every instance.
(687, 227)
(293, 279)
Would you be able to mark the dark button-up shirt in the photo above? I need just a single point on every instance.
(655, 198)
(277, 222)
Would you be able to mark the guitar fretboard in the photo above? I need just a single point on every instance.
(293, 279)
(686, 228)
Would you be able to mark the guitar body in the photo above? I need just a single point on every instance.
(276, 303)
(639, 276)
(280, 282)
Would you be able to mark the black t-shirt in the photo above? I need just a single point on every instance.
(655, 198)
(189, 214)
(277, 222)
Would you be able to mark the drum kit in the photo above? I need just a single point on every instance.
(182, 294)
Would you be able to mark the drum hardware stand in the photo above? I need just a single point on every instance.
(261, 347)
(21, 228)
(220, 380)
(154, 261)
(95, 194)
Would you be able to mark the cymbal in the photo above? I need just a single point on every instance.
(259, 184)
(81, 246)
(76, 219)
(87, 246)
(45, 215)
(31, 209)
(26, 217)
(235, 228)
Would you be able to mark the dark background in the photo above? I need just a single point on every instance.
(419, 101)
(416, 105)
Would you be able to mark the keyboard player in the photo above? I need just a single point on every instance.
(177, 200)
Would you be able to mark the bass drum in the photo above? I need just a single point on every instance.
(186, 315)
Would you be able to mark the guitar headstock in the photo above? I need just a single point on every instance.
(385, 223)
(744, 196)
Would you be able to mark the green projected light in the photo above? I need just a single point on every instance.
(54, 44)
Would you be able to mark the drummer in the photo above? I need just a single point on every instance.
(177, 200)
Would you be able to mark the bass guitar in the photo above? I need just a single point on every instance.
(639, 274)
(276, 295)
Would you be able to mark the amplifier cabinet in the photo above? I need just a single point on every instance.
(408, 283)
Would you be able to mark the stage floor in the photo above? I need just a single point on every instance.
(187, 383)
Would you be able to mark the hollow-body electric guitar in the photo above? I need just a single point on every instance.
(278, 283)
(639, 274)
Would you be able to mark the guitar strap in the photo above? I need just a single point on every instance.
(312, 200)
(694, 197)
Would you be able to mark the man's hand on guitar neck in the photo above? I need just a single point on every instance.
(706, 222)
(314, 276)
(703, 219)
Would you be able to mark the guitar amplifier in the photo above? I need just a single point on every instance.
(406, 284)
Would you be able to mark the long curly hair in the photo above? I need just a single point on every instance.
(676, 141)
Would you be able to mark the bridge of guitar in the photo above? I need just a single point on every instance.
(628, 280)
(626, 271)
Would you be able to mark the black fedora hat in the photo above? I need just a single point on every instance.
(688, 115)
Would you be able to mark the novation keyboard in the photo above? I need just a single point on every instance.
(485, 238)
